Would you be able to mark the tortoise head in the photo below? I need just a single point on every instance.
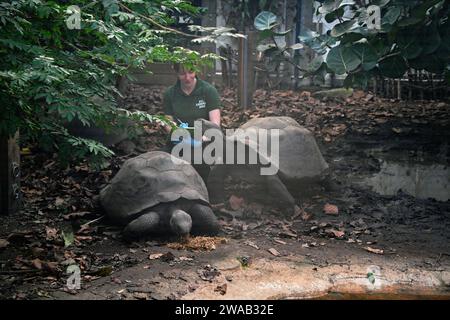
(180, 222)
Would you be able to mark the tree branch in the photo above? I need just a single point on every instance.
(156, 23)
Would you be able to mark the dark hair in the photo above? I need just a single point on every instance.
(178, 67)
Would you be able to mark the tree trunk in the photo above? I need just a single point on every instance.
(9, 174)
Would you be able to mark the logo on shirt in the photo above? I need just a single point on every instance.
(201, 104)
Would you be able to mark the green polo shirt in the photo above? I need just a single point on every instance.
(187, 108)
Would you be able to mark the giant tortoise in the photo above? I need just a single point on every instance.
(156, 193)
(299, 159)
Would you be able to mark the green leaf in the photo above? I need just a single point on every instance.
(430, 39)
(393, 66)
(359, 80)
(296, 46)
(265, 47)
(342, 59)
(351, 37)
(342, 28)
(282, 33)
(371, 277)
(68, 237)
(409, 21)
(346, 3)
(265, 20)
(315, 64)
(421, 10)
(391, 15)
(380, 3)
(264, 34)
(408, 43)
(367, 55)
(330, 17)
(328, 6)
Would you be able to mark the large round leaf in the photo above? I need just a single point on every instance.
(315, 64)
(409, 44)
(367, 55)
(380, 3)
(342, 60)
(391, 15)
(330, 17)
(393, 66)
(359, 79)
(351, 37)
(265, 20)
(342, 28)
(430, 39)
(265, 47)
(409, 21)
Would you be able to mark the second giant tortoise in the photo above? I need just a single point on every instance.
(298, 159)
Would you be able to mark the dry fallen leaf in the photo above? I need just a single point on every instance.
(75, 215)
(236, 203)
(373, 250)
(274, 252)
(51, 233)
(331, 209)
(59, 201)
(185, 259)
(300, 212)
(140, 295)
(37, 263)
(335, 233)
(251, 244)
(221, 288)
(154, 256)
(306, 216)
(3, 243)
(198, 243)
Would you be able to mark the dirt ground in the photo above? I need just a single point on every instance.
(378, 245)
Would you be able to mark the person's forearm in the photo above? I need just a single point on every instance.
(214, 116)
(167, 126)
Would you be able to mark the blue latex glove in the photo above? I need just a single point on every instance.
(184, 125)
(188, 140)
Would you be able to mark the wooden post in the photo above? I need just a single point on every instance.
(245, 70)
(374, 86)
(9, 174)
(224, 68)
(209, 20)
(409, 85)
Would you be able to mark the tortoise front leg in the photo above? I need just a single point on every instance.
(279, 191)
(204, 221)
(144, 225)
(215, 183)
